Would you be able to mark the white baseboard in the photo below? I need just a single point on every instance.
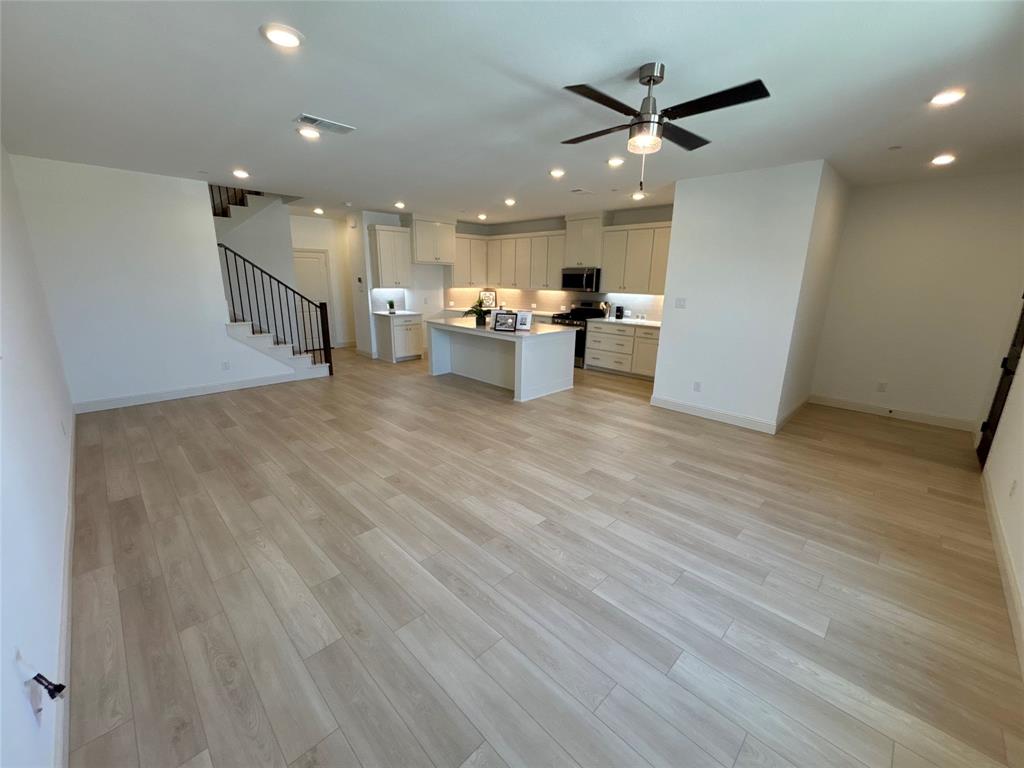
(781, 421)
(1014, 598)
(893, 413)
(203, 389)
(735, 419)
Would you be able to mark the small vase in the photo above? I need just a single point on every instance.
(481, 321)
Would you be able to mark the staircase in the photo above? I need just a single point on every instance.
(274, 318)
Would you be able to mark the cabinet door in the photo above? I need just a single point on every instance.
(403, 259)
(385, 260)
(400, 334)
(425, 241)
(508, 263)
(462, 270)
(556, 256)
(478, 262)
(539, 263)
(521, 279)
(659, 259)
(583, 243)
(493, 262)
(613, 254)
(645, 357)
(414, 339)
(636, 277)
(444, 239)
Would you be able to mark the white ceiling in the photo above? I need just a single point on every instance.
(459, 105)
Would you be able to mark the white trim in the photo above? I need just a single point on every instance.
(61, 723)
(783, 420)
(880, 410)
(735, 419)
(203, 389)
(1014, 599)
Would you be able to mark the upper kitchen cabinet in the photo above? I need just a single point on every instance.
(546, 256)
(494, 262)
(634, 259)
(470, 268)
(583, 242)
(433, 242)
(391, 250)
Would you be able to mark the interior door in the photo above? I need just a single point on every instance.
(312, 282)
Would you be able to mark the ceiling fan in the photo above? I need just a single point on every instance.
(647, 125)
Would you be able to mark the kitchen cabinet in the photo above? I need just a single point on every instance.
(622, 347)
(470, 268)
(391, 250)
(508, 263)
(521, 277)
(659, 259)
(433, 242)
(493, 262)
(399, 336)
(546, 257)
(634, 259)
(583, 242)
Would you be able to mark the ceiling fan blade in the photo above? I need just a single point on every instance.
(601, 98)
(682, 137)
(595, 134)
(730, 97)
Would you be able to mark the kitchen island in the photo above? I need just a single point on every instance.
(531, 363)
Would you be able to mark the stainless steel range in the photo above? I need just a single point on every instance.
(578, 316)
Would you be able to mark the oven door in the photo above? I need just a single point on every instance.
(581, 279)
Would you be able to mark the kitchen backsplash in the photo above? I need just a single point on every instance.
(553, 301)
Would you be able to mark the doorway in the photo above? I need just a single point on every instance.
(312, 280)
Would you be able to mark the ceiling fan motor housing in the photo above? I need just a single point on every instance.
(651, 73)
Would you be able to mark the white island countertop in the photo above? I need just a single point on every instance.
(397, 313)
(468, 325)
(531, 363)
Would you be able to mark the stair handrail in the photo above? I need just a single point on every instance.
(279, 314)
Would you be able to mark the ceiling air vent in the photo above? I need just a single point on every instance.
(323, 124)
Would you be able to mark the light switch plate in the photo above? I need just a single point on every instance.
(680, 303)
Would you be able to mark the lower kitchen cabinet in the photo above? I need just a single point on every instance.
(399, 337)
(622, 347)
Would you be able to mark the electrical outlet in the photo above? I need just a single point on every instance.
(680, 303)
(627, 313)
(563, 307)
(225, 366)
(451, 303)
(882, 386)
(533, 306)
(696, 386)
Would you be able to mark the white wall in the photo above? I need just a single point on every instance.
(822, 250)
(263, 237)
(322, 234)
(129, 267)
(737, 256)
(36, 430)
(1004, 485)
(925, 295)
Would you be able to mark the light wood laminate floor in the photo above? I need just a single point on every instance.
(388, 569)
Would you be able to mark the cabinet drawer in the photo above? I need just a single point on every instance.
(648, 333)
(612, 360)
(618, 330)
(407, 321)
(610, 343)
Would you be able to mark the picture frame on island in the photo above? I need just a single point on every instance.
(524, 320)
(504, 321)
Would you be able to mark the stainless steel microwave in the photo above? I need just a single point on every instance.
(581, 279)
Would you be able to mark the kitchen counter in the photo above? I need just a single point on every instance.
(627, 321)
(531, 363)
(536, 312)
(397, 313)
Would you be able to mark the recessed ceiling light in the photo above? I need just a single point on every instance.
(944, 159)
(348, 204)
(615, 162)
(318, 211)
(638, 195)
(482, 216)
(399, 204)
(282, 35)
(240, 173)
(556, 173)
(951, 96)
(309, 132)
(510, 201)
